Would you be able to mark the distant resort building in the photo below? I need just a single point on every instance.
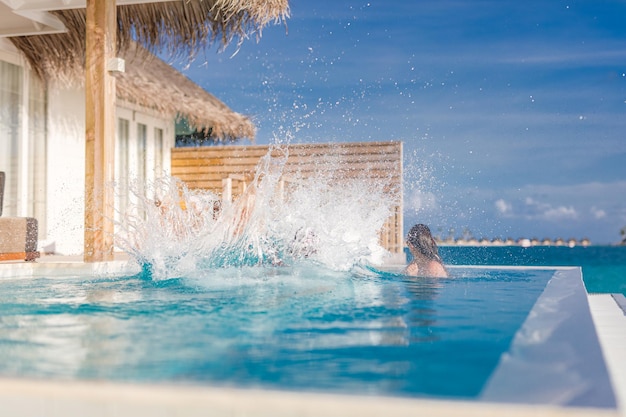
(523, 242)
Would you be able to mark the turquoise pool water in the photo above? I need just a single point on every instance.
(603, 267)
(298, 327)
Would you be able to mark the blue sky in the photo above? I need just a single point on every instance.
(512, 114)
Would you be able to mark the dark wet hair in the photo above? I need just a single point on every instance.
(422, 240)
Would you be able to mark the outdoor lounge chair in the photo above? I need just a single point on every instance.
(18, 235)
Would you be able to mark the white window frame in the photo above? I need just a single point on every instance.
(140, 156)
(23, 203)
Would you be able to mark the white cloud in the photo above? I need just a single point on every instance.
(592, 201)
(503, 207)
(530, 201)
(598, 213)
(589, 190)
(547, 211)
(419, 200)
(551, 56)
(560, 213)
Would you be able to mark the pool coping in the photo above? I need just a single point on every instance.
(60, 266)
(555, 356)
(610, 323)
(620, 299)
(36, 397)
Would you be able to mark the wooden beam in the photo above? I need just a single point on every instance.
(101, 23)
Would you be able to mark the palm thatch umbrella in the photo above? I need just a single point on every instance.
(102, 31)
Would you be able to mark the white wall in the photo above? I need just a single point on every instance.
(66, 169)
(66, 159)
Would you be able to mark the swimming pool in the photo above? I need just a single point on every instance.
(495, 334)
(275, 294)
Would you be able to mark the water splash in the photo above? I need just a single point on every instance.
(279, 220)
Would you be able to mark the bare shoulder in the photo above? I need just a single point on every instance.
(411, 269)
(437, 270)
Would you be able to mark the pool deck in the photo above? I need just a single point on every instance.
(610, 322)
(58, 266)
(39, 397)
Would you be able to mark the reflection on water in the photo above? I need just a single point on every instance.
(298, 327)
(422, 317)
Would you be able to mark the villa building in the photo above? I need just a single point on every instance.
(42, 137)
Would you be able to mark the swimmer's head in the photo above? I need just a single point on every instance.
(421, 240)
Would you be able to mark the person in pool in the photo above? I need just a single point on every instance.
(426, 261)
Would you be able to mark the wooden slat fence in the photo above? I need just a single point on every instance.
(226, 170)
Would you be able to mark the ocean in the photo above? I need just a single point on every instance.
(603, 267)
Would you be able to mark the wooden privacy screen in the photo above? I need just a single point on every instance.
(226, 170)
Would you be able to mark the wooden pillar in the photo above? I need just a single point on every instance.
(100, 129)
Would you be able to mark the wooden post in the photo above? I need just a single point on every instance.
(101, 25)
(227, 189)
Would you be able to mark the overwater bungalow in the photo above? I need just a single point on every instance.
(449, 240)
(43, 100)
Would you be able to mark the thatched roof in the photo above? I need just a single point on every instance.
(181, 28)
(178, 27)
(152, 83)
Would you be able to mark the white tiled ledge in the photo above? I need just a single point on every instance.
(610, 323)
(35, 398)
(67, 266)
